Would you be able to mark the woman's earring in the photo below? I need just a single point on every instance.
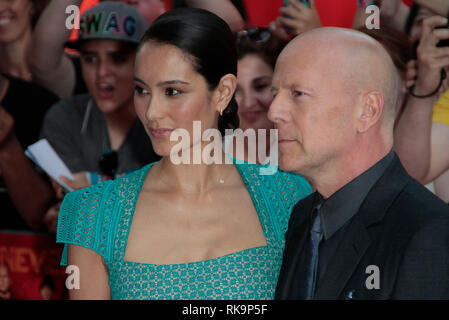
(221, 112)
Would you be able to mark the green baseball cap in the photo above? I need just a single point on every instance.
(110, 21)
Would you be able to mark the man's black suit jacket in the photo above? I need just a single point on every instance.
(401, 228)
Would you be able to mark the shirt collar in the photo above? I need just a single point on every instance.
(341, 206)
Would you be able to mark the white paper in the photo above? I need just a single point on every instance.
(45, 157)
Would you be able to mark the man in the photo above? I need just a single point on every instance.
(369, 231)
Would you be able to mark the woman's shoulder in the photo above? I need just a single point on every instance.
(270, 176)
(88, 217)
(279, 190)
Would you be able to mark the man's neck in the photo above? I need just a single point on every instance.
(119, 123)
(339, 173)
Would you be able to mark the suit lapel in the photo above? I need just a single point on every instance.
(295, 239)
(357, 238)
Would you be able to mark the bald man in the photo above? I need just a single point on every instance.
(369, 231)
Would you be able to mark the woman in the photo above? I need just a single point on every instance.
(256, 61)
(204, 231)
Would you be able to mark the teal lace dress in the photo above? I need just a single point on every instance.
(100, 218)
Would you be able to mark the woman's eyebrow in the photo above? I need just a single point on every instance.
(141, 81)
(168, 82)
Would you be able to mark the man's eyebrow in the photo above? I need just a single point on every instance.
(87, 52)
(119, 52)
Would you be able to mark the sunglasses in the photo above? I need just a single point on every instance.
(258, 35)
(108, 163)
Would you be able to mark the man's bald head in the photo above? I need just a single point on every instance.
(358, 60)
(334, 107)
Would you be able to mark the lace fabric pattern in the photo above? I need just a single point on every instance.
(100, 218)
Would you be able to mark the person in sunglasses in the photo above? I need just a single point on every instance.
(182, 231)
(98, 134)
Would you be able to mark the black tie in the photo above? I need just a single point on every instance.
(307, 269)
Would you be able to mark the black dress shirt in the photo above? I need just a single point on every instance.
(338, 210)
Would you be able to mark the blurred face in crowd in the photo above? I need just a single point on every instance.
(416, 30)
(46, 293)
(108, 70)
(15, 19)
(311, 109)
(149, 9)
(4, 279)
(253, 93)
(170, 95)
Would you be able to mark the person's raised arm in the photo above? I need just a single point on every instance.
(93, 274)
(224, 9)
(29, 192)
(414, 140)
(50, 66)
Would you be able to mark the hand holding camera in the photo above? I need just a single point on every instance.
(432, 57)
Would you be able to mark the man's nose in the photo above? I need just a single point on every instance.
(276, 112)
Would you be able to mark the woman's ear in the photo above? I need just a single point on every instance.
(224, 92)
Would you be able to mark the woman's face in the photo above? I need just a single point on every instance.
(170, 95)
(253, 93)
(108, 70)
(15, 19)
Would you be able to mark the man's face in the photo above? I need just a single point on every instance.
(311, 110)
(149, 9)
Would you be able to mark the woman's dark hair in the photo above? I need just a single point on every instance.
(411, 17)
(209, 42)
(268, 51)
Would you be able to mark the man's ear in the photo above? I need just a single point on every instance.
(371, 110)
(224, 92)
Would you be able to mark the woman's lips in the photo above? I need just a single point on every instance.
(105, 91)
(251, 116)
(5, 21)
(160, 133)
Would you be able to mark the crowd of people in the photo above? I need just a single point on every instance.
(362, 117)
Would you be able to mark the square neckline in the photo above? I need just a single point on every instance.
(142, 178)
